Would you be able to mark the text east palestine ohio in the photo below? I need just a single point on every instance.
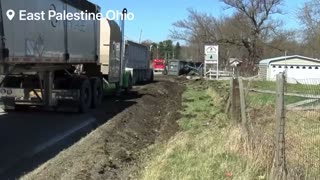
(60, 16)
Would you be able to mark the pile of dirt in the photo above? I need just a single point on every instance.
(114, 149)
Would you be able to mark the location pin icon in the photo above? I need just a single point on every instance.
(10, 14)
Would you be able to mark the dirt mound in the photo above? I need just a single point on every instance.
(112, 151)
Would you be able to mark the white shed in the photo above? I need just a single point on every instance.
(299, 69)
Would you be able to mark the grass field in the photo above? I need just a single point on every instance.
(263, 99)
(291, 88)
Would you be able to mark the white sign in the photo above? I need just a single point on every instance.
(211, 52)
(211, 58)
(211, 49)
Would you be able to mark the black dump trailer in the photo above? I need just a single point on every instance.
(177, 67)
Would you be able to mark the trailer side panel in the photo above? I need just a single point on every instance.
(46, 41)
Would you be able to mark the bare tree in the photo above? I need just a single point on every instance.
(258, 13)
(202, 28)
(309, 16)
(283, 43)
(242, 35)
(197, 27)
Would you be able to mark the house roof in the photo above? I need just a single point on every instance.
(232, 60)
(268, 61)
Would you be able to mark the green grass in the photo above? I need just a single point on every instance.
(256, 98)
(291, 88)
(199, 150)
(199, 110)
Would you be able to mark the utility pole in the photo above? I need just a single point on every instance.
(122, 46)
(140, 36)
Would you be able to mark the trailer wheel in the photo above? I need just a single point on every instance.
(97, 92)
(85, 98)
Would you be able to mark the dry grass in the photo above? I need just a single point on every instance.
(303, 144)
(302, 131)
(302, 141)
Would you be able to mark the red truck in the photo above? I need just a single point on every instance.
(159, 65)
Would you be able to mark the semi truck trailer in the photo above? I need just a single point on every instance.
(52, 63)
(137, 62)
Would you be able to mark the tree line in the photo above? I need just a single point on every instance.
(164, 49)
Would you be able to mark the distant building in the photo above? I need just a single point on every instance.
(234, 62)
(297, 68)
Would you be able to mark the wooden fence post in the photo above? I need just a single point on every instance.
(244, 120)
(235, 101)
(280, 166)
(228, 105)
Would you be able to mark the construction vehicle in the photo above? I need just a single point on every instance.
(53, 63)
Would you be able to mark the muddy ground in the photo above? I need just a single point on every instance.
(114, 150)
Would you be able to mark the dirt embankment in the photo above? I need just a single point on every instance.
(113, 150)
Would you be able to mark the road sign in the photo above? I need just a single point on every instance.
(211, 52)
(211, 57)
(211, 60)
(211, 49)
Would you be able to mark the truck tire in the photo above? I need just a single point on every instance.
(97, 92)
(85, 98)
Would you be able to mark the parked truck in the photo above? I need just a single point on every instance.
(159, 65)
(51, 63)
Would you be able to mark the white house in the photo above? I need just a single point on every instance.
(298, 69)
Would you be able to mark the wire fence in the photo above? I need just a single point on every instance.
(303, 130)
(281, 123)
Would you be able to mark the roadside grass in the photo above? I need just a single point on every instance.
(202, 149)
(302, 135)
(291, 88)
(209, 146)
(303, 144)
